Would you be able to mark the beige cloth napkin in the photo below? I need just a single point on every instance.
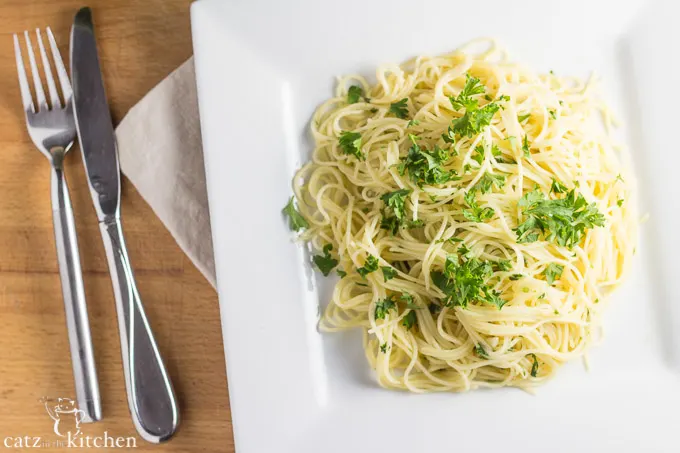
(159, 143)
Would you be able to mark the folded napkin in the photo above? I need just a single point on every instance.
(159, 143)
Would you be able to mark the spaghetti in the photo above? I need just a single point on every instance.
(478, 213)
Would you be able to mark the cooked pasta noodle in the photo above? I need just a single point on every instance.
(449, 194)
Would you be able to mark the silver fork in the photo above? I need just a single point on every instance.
(53, 131)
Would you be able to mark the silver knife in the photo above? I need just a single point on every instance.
(151, 398)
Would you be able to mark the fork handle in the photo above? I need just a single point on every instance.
(77, 322)
(151, 398)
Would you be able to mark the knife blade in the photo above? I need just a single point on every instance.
(151, 398)
(96, 136)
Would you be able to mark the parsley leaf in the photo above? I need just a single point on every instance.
(503, 265)
(464, 280)
(557, 187)
(388, 272)
(553, 272)
(619, 202)
(475, 213)
(350, 142)
(325, 262)
(525, 147)
(383, 306)
(412, 123)
(521, 118)
(563, 221)
(474, 120)
(341, 273)
(552, 113)
(485, 182)
(371, 265)
(408, 299)
(450, 136)
(295, 220)
(478, 154)
(399, 109)
(472, 87)
(534, 366)
(354, 94)
(383, 348)
(394, 211)
(515, 277)
(425, 166)
(409, 320)
(480, 352)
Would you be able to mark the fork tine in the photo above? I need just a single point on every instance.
(37, 84)
(23, 78)
(61, 69)
(52, 88)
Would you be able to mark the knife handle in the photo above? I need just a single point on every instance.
(77, 321)
(151, 398)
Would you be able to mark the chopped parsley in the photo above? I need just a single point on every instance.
(341, 273)
(383, 306)
(425, 166)
(515, 277)
(371, 265)
(450, 136)
(409, 320)
(553, 272)
(475, 213)
(534, 366)
(325, 262)
(472, 87)
(399, 109)
(464, 280)
(475, 118)
(354, 94)
(413, 123)
(563, 221)
(383, 348)
(350, 143)
(478, 154)
(552, 113)
(485, 182)
(480, 352)
(394, 210)
(619, 202)
(502, 265)
(525, 147)
(521, 118)
(295, 220)
(388, 272)
(558, 187)
(408, 299)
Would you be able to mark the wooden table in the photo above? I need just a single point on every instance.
(140, 42)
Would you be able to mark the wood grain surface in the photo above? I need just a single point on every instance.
(140, 42)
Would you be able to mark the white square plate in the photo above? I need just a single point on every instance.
(263, 67)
